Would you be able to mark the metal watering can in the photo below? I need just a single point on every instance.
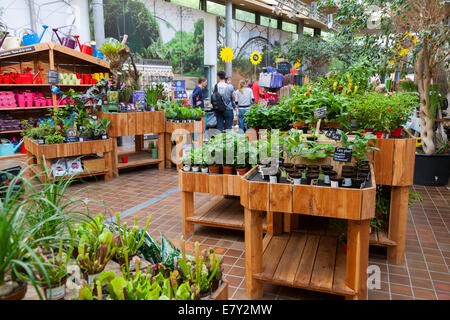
(8, 148)
(33, 38)
(9, 43)
(84, 48)
(66, 41)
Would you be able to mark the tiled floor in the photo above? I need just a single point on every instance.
(424, 275)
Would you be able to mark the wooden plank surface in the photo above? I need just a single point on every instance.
(287, 268)
(273, 253)
(280, 197)
(322, 275)
(306, 265)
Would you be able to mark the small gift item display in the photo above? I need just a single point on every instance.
(59, 168)
(74, 166)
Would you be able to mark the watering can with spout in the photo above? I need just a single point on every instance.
(33, 38)
(9, 43)
(87, 49)
(65, 41)
(97, 53)
(8, 148)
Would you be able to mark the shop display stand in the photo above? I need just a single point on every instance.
(301, 259)
(48, 56)
(222, 212)
(136, 124)
(45, 153)
(181, 133)
(394, 167)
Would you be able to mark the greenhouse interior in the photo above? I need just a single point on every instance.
(224, 150)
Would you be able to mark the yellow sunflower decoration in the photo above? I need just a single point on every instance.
(255, 58)
(226, 54)
(297, 64)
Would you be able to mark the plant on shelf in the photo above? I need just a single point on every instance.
(55, 138)
(269, 117)
(296, 145)
(362, 145)
(96, 245)
(128, 241)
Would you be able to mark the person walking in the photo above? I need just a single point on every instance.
(197, 98)
(244, 99)
(226, 91)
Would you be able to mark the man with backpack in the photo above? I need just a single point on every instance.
(221, 99)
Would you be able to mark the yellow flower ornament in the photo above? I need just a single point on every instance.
(226, 54)
(255, 58)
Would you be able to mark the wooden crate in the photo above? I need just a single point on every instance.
(221, 293)
(189, 127)
(218, 184)
(394, 162)
(93, 164)
(135, 123)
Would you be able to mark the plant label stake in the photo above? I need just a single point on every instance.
(319, 113)
(332, 134)
(342, 154)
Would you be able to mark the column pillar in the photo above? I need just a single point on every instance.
(229, 32)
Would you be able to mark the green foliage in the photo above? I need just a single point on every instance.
(296, 145)
(174, 111)
(110, 48)
(269, 117)
(362, 145)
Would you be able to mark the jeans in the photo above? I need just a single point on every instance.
(242, 124)
(227, 116)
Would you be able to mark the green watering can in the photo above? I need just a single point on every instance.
(8, 148)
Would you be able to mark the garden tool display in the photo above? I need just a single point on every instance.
(68, 42)
(33, 38)
(8, 148)
(27, 77)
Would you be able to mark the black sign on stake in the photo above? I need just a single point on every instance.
(53, 76)
(333, 134)
(320, 113)
(284, 67)
(342, 154)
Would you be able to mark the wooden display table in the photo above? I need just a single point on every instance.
(181, 133)
(302, 259)
(136, 124)
(45, 153)
(219, 212)
(394, 166)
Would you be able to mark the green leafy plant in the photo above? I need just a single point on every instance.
(96, 245)
(362, 145)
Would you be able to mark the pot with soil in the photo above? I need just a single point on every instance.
(336, 182)
(297, 177)
(204, 169)
(310, 176)
(300, 167)
(13, 290)
(214, 169)
(328, 175)
(290, 171)
(348, 169)
(186, 168)
(288, 165)
(273, 173)
(357, 182)
(56, 291)
(432, 169)
(313, 168)
(227, 169)
(326, 168)
(195, 168)
(347, 182)
(242, 171)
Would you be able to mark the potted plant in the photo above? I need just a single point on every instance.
(128, 241)
(187, 161)
(95, 247)
(55, 264)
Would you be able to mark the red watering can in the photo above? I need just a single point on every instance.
(84, 48)
(66, 41)
(27, 77)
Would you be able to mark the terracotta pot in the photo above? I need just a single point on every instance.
(228, 169)
(214, 169)
(242, 171)
(18, 295)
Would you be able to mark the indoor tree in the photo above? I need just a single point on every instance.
(411, 32)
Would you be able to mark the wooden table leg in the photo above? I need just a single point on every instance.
(168, 149)
(253, 252)
(115, 158)
(109, 165)
(187, 210)
(274, 223)
(290, 222)
(138, 143)
(357, 258)
(397, 223)
(161, 155)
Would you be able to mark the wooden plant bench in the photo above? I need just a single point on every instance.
(302, 259)
(394, 166)
(136, 124)
(45, 153)
(218, 212)
(181, 134)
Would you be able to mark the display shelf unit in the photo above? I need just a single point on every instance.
(45, 153)
(220, 211)
(136, 124)
(180, 133)
(48, 56)
(304, 259)
(394, 167)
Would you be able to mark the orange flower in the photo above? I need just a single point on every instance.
(389, 109)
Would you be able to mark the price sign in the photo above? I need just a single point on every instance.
(71, 135)
(333, 134)
(53, 76)
(320, 113)
(342, 154)
(284, 67)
